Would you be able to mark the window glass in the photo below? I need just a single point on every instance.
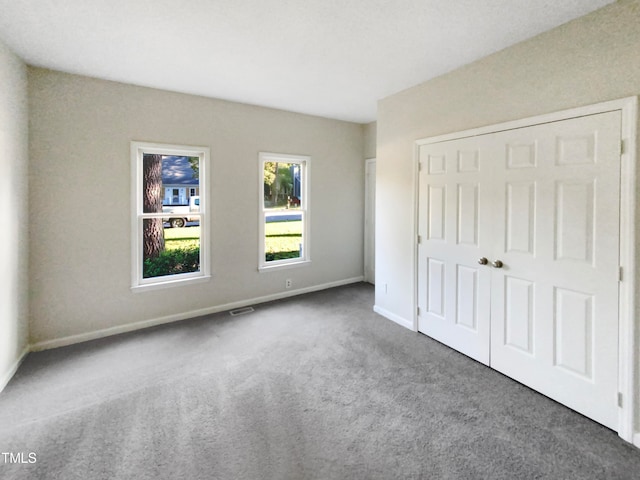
(169, 218)
(283, 209)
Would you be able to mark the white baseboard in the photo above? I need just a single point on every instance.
(130, 327)
(636, 440)
(393, 317)
(8, 375)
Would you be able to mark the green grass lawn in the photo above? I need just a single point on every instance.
(185, 237)
(283, 239)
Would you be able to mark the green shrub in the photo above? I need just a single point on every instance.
(270, 256)
(171, 262)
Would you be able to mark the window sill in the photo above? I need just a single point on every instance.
(283, 266)
(170, 284)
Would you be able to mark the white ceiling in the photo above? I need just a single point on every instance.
(333, 58)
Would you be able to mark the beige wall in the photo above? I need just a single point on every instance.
(81, 130)
(14, 201)
(592, 59)
(370, 140)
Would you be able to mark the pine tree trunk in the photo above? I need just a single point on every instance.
(276, 188)
(153, 229)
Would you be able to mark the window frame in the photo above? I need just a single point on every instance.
(138, 282)
(305, 162)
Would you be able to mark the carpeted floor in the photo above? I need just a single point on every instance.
(313, 387)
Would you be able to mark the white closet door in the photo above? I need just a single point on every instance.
(544, 203)
(455, 231)
(554, 303)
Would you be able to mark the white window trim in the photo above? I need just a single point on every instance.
(305, 161)
(138, 283)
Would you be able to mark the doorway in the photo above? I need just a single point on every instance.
(370, 221)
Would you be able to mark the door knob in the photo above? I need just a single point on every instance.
(483, 260)
(498, 264)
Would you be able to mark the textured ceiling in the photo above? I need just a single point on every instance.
(333, 58)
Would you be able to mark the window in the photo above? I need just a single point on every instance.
(284, 210)
(170, 232)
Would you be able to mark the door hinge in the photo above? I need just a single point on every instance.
(620, 399)
(419, 239)
(418, 310)
(620, 274)
(623, 147)
(419, 166)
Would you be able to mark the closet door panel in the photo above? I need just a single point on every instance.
(455, 227)
(541, 205)
(554, 303)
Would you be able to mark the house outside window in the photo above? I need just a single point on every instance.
(170, 230)
(284, 210)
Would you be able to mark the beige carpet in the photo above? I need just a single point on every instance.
(314, 387)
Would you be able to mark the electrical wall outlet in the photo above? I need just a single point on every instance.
(288, 283)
